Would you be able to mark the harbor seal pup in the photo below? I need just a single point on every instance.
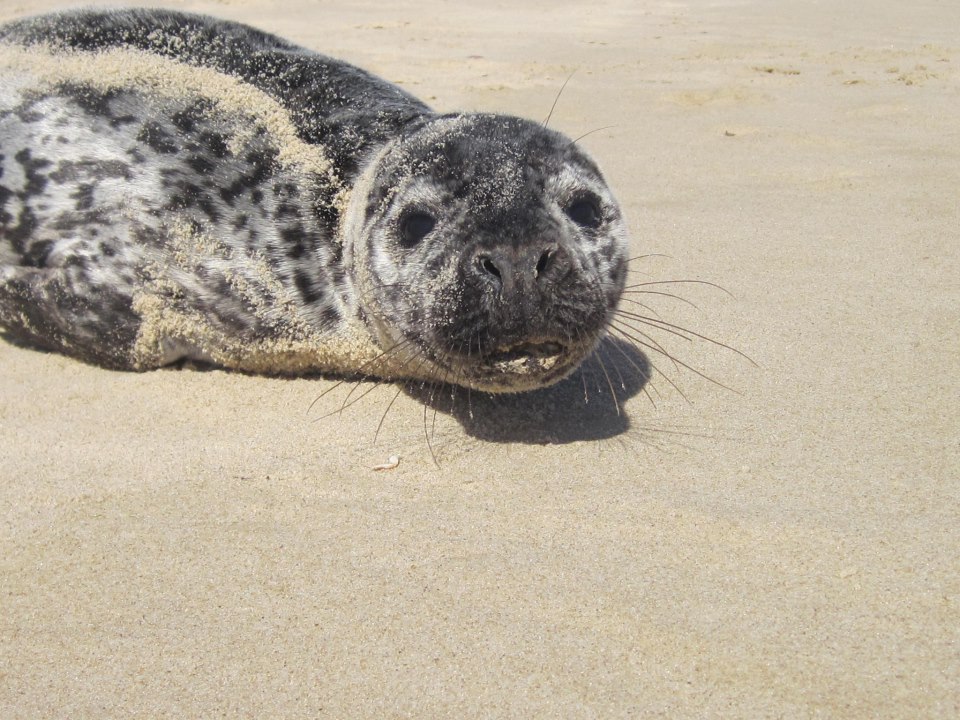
(174, 187)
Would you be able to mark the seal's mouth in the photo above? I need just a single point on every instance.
(520, 366)
(534, 351)
(526, 364)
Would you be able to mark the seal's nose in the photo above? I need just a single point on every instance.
(510, 269)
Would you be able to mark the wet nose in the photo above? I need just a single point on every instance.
(508, 268)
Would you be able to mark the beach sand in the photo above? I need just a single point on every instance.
(202, 543)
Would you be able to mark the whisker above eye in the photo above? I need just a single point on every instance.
(553, 107)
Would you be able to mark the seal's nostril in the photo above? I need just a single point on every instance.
(544, 263)
(487, 264)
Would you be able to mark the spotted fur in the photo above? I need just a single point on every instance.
(254, 211)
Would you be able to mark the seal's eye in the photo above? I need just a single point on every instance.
(585, 212)
(415, 226)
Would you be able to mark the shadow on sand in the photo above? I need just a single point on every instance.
(588, 405)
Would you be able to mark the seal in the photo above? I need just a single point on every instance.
(174, 186)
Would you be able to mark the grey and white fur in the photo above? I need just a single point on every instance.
(174, 186)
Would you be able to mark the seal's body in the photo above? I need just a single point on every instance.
(174, 186)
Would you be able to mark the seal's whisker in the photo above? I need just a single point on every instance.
(553, 107)
(345, 405)
(653, 365)
(678, 330)
(648, 255)
(644, 373)
(469, 391)
(384, 416)
(598, 389)
(613, 393)
(590, 132)
(678, 282)
(603, 348)
(456, 378)
(676, 361)
(616, 367)
(638, 303)
(360, 371)
(382, 357)
(437, 385)
(426, 435)
(583, 379)
(631, 319)
(654, 344)
(400, 389)
(627, 293)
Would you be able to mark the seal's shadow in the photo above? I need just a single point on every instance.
(588, 405)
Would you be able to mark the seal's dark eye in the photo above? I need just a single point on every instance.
(585, 212)
(415, 226)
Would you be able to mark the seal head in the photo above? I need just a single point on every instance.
(487, 250)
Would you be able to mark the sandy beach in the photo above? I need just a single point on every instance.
(774, 540)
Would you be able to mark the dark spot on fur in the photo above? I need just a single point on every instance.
(149, 236)
(37, 254)
(191, 195)
(29, 116)
(261, 167)
(336, 255)
(5, 195)
(200, 164)
(91, 101)
(186, 120)
(215, 142)
(25, 112)
(21, 232)
(305, 284)
(208, 206)
(230, 193)
(74, 170)
(285, 211)
(328, 218)
(338, 275)
(329, 317)
(285, 190)
(157, 138)
(77, 261)
(36, 181)
(84, 197)
(295, 239)
(120, 120)
(70, 221)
